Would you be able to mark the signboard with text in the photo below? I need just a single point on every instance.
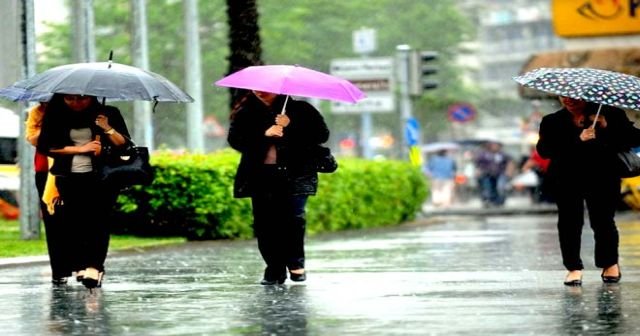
(374, 76)
(572, 18)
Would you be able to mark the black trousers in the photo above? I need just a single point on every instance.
(601, 195)
(85, 213)
(279, 224)
(58, 239)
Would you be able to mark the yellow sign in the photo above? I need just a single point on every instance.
(572, 18)
(415, 157)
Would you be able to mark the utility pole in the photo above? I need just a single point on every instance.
(193, 77)
(84, 46)
(143, 123)
(364, 43)
(29, 203)
(402, 60)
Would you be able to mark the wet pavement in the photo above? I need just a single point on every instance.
(467, 275)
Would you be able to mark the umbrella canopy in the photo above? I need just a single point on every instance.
(19, 94)
(293, 80)
(101, 79)
(592, 85)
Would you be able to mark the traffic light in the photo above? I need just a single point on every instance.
(421, 67)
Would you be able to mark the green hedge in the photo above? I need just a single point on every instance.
(192, 196)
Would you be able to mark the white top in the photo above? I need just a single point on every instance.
(81, 163)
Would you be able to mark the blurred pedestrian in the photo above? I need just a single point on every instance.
(493, 169)
(441, 169)
(274, 171)
(58, 244)
(73, 130)
(538, 165)
(582, 169)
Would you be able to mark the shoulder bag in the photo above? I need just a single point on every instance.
(628, 163)
(125, 166)
(322, 160)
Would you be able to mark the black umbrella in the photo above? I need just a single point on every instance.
(15, 94)
(109, 80)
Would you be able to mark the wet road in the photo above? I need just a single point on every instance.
(466, 276)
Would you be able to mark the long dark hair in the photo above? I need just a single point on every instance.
(61, 113)
(251, 98)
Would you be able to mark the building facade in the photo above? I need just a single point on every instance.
(509, 32)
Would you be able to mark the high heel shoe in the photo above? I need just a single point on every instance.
(574, 282)
(59, 281)
(92, 278)
(298, 277)
(611, 279)
(269, 280)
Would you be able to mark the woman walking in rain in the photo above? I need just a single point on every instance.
(73, 130)
(583, 169)
(58, 244)
(274, 171)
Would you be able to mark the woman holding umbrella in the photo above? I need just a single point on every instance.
(275, 173)
(73, 130)
(582, 146)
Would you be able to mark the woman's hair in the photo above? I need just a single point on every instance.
(251, 98)
(61, 113)
(238, 105)
(57, 103)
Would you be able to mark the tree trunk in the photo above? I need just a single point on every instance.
(244, 40)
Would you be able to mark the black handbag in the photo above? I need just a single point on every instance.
(322, 160)
(628, 163)
(125, 166)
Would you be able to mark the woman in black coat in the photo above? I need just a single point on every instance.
(74, 129)
(274, 171)
(583, 169)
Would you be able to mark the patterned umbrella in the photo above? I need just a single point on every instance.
(593, 85)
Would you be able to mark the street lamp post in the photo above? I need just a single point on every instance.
(402, 79)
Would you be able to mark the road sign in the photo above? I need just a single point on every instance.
(412, 131)
(461, 112)
(374, 76)
(364, 41)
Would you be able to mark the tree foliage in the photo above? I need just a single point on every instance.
(306, 32)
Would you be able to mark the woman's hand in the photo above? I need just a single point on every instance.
(91, 147)
(103, 122)
(274, 131)
(588, 134)
(282, 120)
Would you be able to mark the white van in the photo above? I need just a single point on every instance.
(9, 133)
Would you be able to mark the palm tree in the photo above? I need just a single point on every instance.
(244, 39)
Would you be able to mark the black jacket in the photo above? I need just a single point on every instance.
(574, 159)
(246, 135)
(56, 128)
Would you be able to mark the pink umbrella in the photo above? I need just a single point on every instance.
(293, 80)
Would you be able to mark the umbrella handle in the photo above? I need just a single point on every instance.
(596, 118)
(110, 59)
(285, 105)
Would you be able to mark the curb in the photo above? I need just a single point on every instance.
(490, 211)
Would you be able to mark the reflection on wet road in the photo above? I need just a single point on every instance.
(471, 276)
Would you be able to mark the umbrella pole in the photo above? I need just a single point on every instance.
(108, 67)
(596, 118)
(284, 105)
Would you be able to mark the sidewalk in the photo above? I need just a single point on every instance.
(497, 275)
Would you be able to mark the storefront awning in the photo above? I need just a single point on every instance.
(625, 60)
